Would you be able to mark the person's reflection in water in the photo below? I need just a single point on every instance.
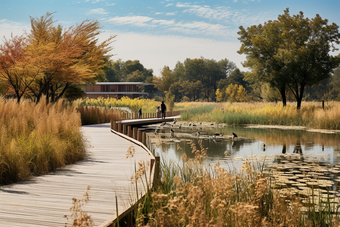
(297, 149)
(284, 149)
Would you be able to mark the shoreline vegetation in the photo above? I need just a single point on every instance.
(192, 193)
(311, 115)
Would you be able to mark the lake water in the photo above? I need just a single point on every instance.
(319, 147)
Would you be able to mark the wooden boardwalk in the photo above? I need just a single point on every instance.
(44, 200)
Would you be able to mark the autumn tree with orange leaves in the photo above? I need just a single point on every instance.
(48, 60)
(17, 70)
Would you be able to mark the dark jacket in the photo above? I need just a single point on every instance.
(163, 107)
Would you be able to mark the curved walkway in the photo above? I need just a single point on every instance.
(45, 200)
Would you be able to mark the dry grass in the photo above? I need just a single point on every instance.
(79, 217)
(188, 105)
(36, 139)
(97, 115)
(192, 194)
(310, 115)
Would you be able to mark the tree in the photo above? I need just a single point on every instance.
(169, 99)
(241, 94)
(237, 77)
(113, 72)
(75, 91)
(290, 52)
(164, 82)
(219, 95)
(50, 59)
(231, 92)
(68, 56)
(17, 69)
(269, 93)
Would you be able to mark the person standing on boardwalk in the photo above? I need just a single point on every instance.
(140, 113)
(163, 109)
(158, 112)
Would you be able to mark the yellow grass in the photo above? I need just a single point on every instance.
(36, 139)
(310, 115)
(97, 115)
(193, 194)
(147, 105)
(187, 105)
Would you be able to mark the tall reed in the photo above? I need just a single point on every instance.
(97, 115)
(37, 138)
(191, 193)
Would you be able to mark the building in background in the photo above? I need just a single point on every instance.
(115, 90)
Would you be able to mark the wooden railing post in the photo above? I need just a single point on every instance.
(140, 135)
(156, 175)
(144, 138)
(124, 129)
(119, 127)
(134, 133)
(114, 125)
(129, 131)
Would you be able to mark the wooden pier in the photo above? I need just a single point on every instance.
(45, 200)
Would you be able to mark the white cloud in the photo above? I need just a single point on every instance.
(164, 22)
(110, 4)
(156, 51)
(170, 4)
(97, 11)
(179, 4)
(140, 21)
(171, 14)
(226, 14)
(190, 28)
(206, 11)
(158, 13)
(8, 28)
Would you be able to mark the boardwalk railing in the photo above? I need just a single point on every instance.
(138, 137)
(134, 115)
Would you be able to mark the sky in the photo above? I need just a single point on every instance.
(160, 33)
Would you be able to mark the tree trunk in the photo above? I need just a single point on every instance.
(283, 95)
(57, 97)
(18, 96)
(299, 97)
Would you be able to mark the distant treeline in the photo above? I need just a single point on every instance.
(210, 80)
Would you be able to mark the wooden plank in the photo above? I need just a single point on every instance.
(44, 200)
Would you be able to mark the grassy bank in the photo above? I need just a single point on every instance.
(310, 115)
(37, 139)
(193, 194)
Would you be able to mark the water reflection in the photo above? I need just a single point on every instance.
(252, 141)
(296, 161)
